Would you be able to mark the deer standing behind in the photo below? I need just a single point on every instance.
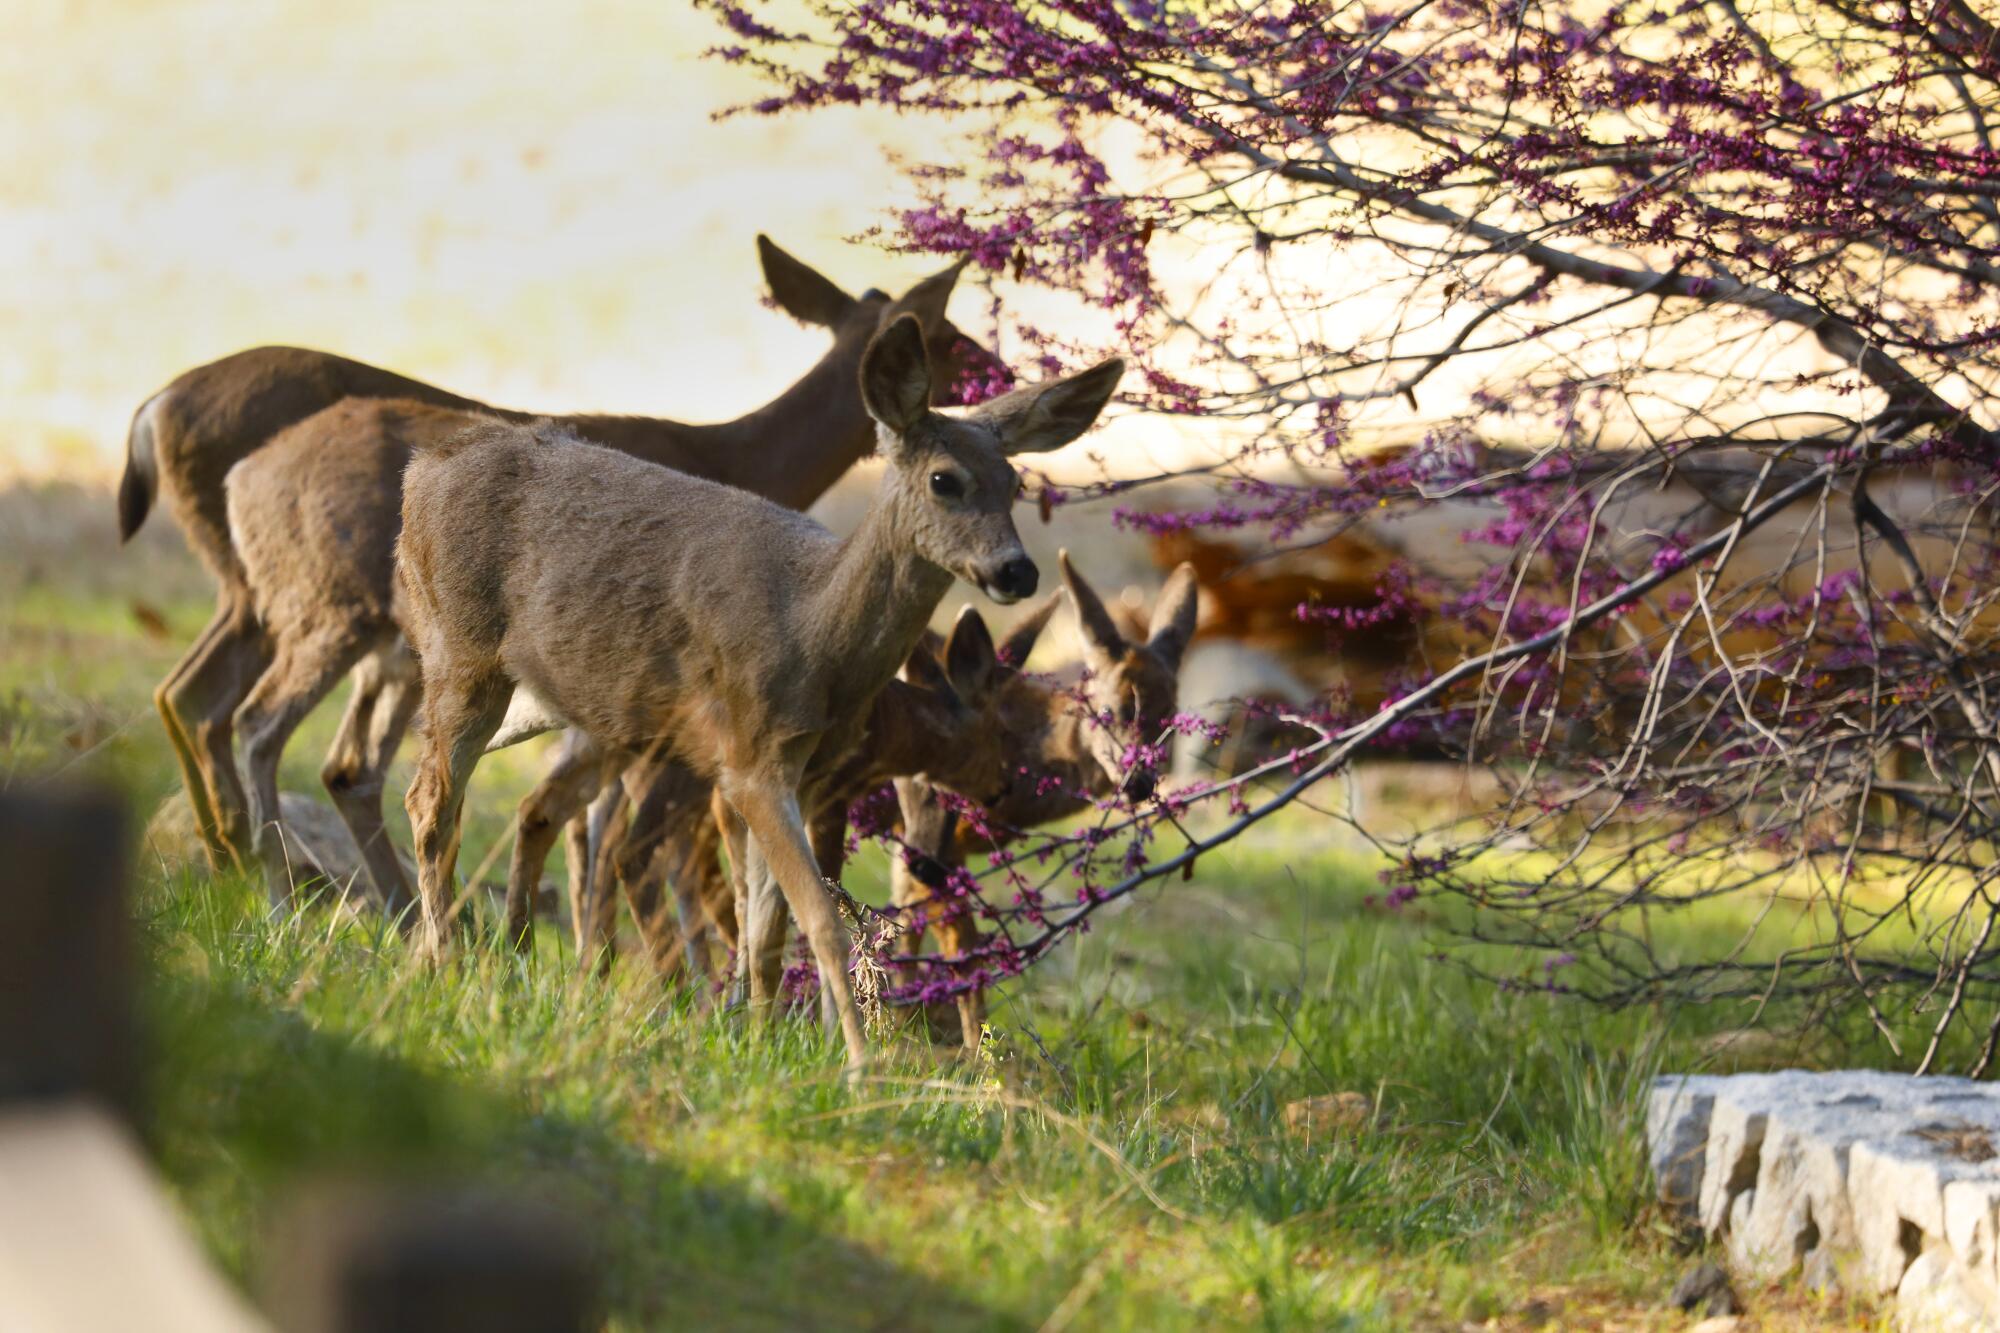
(187, 437)
(954, 718)
(1102, 736)
(945, 717)
(182, 444)
(313, 518)
(660, 613)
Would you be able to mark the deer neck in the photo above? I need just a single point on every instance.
(790, 450)
(909, 731)
(1067, 751)
(867, 606)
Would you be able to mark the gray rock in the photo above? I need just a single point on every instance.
(1706, 1288)
(1677, 1136)
(1862, 1179)
(1695, 1285)
(1936, 1295)
(318, 845)
(316, 838)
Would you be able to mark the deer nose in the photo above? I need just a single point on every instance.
(1138, 784)
(1017, 578)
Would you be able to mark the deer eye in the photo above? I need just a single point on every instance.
(946, 486)
(1128, 708)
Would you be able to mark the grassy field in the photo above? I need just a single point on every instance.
(1119, 1157)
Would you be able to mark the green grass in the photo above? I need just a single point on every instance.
(1141, 1161)
(1118, 1158)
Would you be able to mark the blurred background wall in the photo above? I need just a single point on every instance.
(527, 202)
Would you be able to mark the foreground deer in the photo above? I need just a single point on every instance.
(187, 437)
(1092, 741)
(954, 718)
(947, 717)
(661, 613)
(313, 518)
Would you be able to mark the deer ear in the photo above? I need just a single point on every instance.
(1020, 640)
(1048, 416)
(1174, 616)
(896, 376)
(921, 667)
(1094, 624)
(928, 298)
(801, 292)
(969, 662)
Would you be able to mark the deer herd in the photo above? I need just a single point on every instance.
(728, 675)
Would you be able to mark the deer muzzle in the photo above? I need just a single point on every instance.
(1013, 580)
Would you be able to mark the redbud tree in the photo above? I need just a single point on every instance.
(1678, 318)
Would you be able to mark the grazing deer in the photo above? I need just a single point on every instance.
(1090, 745)
(313, 519)
(948, 717)
(1003, 737)
(186, 438)
(663, 614)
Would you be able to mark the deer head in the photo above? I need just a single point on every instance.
(1001, 722)
(958, 363)
(949, 491)
(1130, 688)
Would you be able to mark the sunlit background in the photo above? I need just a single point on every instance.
(532, 204)
(529, 203)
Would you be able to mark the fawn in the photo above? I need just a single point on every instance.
(313, 518)
(662, 614)
(1075, 747)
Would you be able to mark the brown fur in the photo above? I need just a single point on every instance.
(1131, 688)
(183, 442)
(186, 438)
(668, 616)
(314, 515)
(961, 717)
(937, 720)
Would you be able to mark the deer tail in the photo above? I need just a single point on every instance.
(141, 481)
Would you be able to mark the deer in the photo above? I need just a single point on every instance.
(313, 518)
(1077, 745)
(186, 439)
(664, 614)
(945, 715)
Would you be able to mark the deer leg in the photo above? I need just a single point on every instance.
(193, 783)
(771, 812)
(703, 895)
(386, 692)
(198, 701)
(597, 929)
(958, 935)
(678, 866)
(764, 932)
(577, 869)
(581, 835)
(767, 905)
(462, 710)
(701, 868)
(930, 830)
(574, 777)
(300, 675)
(828, 836)
(637, 857)
(736, 844)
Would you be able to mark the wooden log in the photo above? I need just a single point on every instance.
(88, 1239)
(66, 966)
(355, 1257)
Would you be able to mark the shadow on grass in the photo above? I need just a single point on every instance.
(290, 1101)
